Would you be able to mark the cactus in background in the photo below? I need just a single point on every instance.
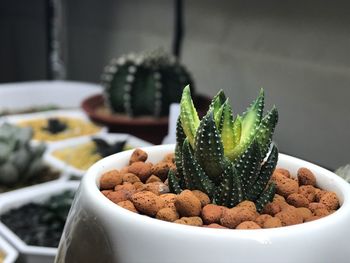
(224, 156)
(19, 161)
(141, 84)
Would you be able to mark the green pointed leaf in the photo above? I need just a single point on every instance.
(209, 150)
(218, 117)
(265, 197)
(266, 129)
(218, 100)
(264, 177)
(252, 118)
(188, 115)
(194, 175)
(248, 166)
(229, 192)
(229, 132)
(174, 182)
(180, 134)
(237, 130)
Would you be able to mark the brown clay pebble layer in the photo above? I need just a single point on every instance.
(141, 187)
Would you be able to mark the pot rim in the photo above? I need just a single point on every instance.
(90, 184)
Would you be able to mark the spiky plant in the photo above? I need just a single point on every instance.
(144, 84)
(230, 159)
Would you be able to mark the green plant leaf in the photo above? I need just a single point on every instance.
(230, 130)
(266, 129)
(195, 177)
(252, 118)
(188, 115)
(209, 149)
(265, 174)
(218, 100)
(217, 106)
(265, 197)
(248, 166)
(174, 182)
(229, 192)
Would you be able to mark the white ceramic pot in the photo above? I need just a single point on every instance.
(36, 194)
(97, 230)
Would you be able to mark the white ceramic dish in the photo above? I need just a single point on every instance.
(39, 193)
(10, 253)
(65, 94)
(78, 114)
(132, 141)
(114, 234)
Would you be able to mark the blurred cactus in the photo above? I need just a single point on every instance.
(144, 84)
(19, 161)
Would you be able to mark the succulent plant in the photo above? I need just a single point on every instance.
(19, 161)
(105, 149)
(230, 159)
(144, 84)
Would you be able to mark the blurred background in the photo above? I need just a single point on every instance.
(296, 50)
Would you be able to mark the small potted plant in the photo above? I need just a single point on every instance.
(21, 162)
(219, 197)
(138, 90)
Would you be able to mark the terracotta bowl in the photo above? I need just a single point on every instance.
(147, 128)
(98, 230)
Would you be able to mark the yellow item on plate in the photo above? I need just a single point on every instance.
(75, 127)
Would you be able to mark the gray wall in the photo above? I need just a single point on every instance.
(22, 40)
(296, 50)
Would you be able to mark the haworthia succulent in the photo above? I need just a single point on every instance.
(223, 155)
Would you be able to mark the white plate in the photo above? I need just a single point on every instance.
(132, 141)
(37, 194)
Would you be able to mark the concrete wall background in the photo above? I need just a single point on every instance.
(296, 50)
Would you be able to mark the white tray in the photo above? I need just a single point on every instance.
(39, 193)
(65, 94)
(132, 141)
(10, 253)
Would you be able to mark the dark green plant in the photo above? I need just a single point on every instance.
(19, 160)
(144, 84)
(223, 156)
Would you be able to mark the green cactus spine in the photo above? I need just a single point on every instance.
(223, 156)
(141, 84)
